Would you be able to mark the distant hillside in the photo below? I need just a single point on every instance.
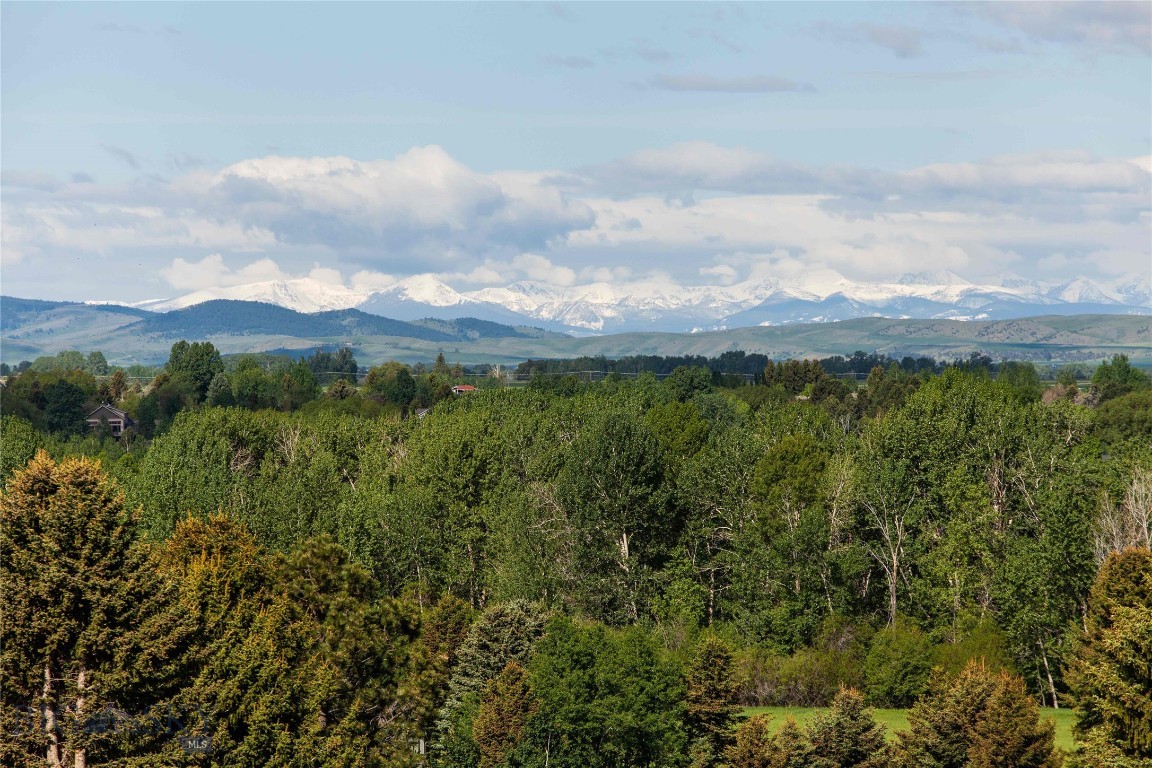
(249, 318)
(15, 312)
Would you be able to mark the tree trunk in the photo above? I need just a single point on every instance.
(51, 727)
(81, 753)
(1048, 672)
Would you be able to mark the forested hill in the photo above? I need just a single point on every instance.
(225, 317)
(15, 312)
(128, 335)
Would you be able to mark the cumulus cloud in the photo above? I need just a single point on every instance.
(212, 272)
(368, 280)
(725, 273)
(711, 84)
(424, 203)
(540, 268)
(274, 218)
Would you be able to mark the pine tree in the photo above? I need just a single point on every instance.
(789, 748)
(1009, 733)
(710, 712)
(750, 747)
(1110, 673)
(980, 719)
(847, 736)
(505, 711)
(90, 636)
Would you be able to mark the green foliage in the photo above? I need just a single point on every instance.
(506, 709)
(613, 488)
(607, 698)
(197, 363)
(847, 735)
(502, 635)
(980, 719)
(984, 642)
(1111, 674)
(88, 628)
(898, 664)
(1127, 417)
(1116, 377)
(19, 441)
(710, 706)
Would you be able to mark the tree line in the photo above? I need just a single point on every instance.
(598, 574)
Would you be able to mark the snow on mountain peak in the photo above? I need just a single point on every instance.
(942, 277)
(426, 289)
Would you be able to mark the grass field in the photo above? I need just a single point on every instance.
(897, 719)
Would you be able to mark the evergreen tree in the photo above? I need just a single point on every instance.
(506, 709)
(1110, 673)
(752, 743)
(501, 635)
(711, 713)
(89, 635)
(981, 719)
(847, 735)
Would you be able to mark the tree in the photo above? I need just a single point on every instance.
(502, 635)
(752, 743)
(96, 364)
(1110, 672)
(64, 408)
(19, 441)
(506, 709)
(117, 385)
(197, 363)
(980, 719)
(711, 713)
(607, 698)
(847, 735)
(88, 630)
(614, 489)
(1116, 377)
(898, 664)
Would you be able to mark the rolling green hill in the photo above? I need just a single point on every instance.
(126, 335)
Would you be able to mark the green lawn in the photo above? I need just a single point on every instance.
(897, 719)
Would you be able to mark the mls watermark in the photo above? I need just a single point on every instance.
(188, 729)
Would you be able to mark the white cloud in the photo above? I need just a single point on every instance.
(723, 272)
(212, 272)
(326, 275)
(367, 280)
(694, 210)
(540, 268)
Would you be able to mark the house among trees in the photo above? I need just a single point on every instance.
(117, 420)
(463, 389)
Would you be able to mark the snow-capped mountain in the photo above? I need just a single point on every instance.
(422, 296)
(303, 294)
(604, 307)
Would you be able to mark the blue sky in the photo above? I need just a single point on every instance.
(686, 143)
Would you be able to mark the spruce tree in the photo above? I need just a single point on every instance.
(710, 713)
(753, 739)
(980, 719)
(506, 709)
(847, 736)
(1110, 674)
(91, 639)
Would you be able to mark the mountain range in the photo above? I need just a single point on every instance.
(598, 308)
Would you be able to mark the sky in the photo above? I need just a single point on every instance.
(152, 149)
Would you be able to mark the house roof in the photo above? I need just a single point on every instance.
(111, 411)
(463, 388)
